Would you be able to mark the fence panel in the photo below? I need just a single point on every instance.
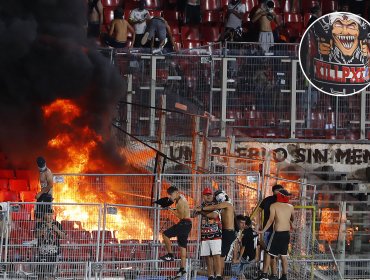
(44, 270)
(73, 238)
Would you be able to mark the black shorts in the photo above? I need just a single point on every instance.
(279, 243)
(228, 237)
(180, 230)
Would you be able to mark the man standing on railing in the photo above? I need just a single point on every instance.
(264, 15)
(181, 230)
(281, 216)
(45, 195)
(228, 225)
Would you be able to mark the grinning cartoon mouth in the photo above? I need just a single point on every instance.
(346, 41)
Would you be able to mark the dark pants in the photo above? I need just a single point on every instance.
(192, 14)
(113, 43)
(93, 30)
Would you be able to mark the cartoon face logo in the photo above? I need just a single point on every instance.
(345, 34)
(334, 54)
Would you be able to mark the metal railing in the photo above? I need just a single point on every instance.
(249, 93)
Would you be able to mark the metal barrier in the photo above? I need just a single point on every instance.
(250, 93)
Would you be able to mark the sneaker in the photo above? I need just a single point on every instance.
(219, 278)
(211, 278)
(283, 277)
(156, 51)
(180, 274)
(263, 276)
(144, 40)
(273, 277)
(167, 258)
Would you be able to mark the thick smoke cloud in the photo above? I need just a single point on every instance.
(45, 55)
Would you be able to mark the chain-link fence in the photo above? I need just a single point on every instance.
(248, 91)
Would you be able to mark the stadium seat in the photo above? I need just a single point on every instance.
(306, 18)
(224, 3)
(210, 33)
(291, 17)
(171, 15)
(308, 4)
(153, 4)
(7, 174)
(22, 215)
(18, 185)
(212, 17)
(71, 225)
(155, 13)
(249, 4)
(108, 15)
(286, 6)
(4, 183)
(8, 196)
(27, 196)
(174, 28)
(111, 3)
(329, 6)
(190, 33)
(22, 174)
(210, 5)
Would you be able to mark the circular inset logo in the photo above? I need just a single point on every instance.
(334, 54)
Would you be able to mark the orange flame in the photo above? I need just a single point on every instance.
(77, 146)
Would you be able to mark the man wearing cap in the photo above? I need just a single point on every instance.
(46, 184)
(281, 216)
(265, 207)
(211, 233)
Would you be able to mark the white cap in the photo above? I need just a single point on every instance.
(346, 16)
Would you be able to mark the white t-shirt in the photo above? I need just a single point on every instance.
(137, 15)
(233, 21)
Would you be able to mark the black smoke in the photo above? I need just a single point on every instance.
(45, 55)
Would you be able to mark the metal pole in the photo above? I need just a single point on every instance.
(341, 248)
(293, 108)
(98, 235)
(103, 237)
(162, 130)
(129, 101)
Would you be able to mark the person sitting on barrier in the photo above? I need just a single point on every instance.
(211, 233)
(181, 230)
(118, 31)
(45, 195)
(282, 217)
(265, 207)
(48, 233)
(264, 15)
(228, 226)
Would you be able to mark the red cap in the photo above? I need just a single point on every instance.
(207, 191)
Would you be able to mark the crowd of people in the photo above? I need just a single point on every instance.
(230, 243)
(147, 31)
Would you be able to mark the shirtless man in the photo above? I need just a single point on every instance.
(95, 18)
(281, 214)
(227, 217)
(181, 230)
(118, 31)
(264, 15)
(46, 184)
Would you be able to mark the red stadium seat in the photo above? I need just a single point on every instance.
(27, 196)
(329, 6)
(22, 174)
(190, 33)
(224, 3)
(155, 13)
(171, 15)
(306, 18)
(108, 15)
(249, 4)
(308, 4)
(7, 174)
(212, 17)
(210, 33)
(153, 4)
(295, 8)
(210, 5)
(8, 196)
(18, 185)
(174, 28)
(111, 3)
(286, 6)
(4, 183)
(191, 44)
(291, 17)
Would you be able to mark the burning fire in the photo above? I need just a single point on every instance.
(329, 226)
(78, 150)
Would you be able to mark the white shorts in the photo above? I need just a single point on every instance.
(210, 247)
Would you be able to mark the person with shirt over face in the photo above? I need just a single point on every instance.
(45, 195)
